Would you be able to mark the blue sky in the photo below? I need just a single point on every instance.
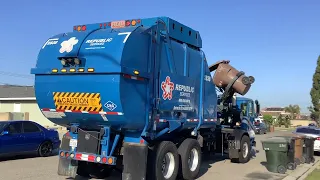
(275, 41)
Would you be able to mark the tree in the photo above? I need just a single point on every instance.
(315, 94)
(268, 119)
(294, 110)
(280, 120)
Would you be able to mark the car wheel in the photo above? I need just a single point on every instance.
(45, 149)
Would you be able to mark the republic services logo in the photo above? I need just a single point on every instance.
(167, 87)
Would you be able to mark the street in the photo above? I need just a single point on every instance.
(36, 168)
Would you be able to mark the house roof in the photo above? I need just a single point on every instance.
(273, 109)
(12, 92)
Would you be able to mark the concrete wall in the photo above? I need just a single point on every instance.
(26, 106)
(295, 123)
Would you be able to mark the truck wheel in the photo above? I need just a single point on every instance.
(190, 153)
(165, 161)
(244, 152)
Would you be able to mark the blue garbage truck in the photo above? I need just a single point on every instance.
(138, 96)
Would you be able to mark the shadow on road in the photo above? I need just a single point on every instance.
(24, 156)
(207, 160)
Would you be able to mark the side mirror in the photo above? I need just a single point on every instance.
(5, 133)
(257, 107)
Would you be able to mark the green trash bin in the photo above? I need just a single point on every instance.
(276, 149)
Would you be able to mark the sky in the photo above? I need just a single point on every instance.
(275, 41)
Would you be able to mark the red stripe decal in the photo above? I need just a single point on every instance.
(93, 112)
(45, 109)
(91, 158)
(112, 113)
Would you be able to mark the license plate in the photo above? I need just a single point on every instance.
(73, 142)
(118, 24)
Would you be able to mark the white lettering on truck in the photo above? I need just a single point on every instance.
(98, 42)
(50, 42)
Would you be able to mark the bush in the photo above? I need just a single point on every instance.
(268, 119)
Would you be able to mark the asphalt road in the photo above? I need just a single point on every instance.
(215, 167)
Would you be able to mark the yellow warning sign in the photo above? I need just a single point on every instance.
(77, 101)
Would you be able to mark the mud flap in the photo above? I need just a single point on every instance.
(67, 167)
(134, 161)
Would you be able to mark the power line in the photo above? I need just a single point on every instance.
(4, 73)
(11, 84)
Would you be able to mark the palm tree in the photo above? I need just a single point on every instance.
(294, 110)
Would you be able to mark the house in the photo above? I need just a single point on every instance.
(19, 102)
(274, 111)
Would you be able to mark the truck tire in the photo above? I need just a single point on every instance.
(244, 152)
(190, 154)
(165, 161)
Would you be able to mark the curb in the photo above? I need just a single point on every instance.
(303, 174)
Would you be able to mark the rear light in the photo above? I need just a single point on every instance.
(128, 23)
(98, 159)
(61, 153)
(83, 28)
(63, 70)
(110, 160)
(318, 138)
(104, 160)
(79, 28)
(133, 22)
(90, 70)
(67, 154)
(71, 155)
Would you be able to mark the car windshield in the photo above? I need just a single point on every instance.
(308, 131)
(2, 125)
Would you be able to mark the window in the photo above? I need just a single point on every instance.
(30, 127)
(16, 107)
(244, 108)
(14, 128)
(250, 109)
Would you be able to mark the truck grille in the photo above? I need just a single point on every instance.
(88, 141)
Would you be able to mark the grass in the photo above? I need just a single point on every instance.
(283, 128)
(315, 175)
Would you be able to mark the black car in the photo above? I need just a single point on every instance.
(261, 128)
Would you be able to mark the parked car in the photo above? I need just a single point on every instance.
(310, 131)
(312, 124)
(21, 137)
(261, 127)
